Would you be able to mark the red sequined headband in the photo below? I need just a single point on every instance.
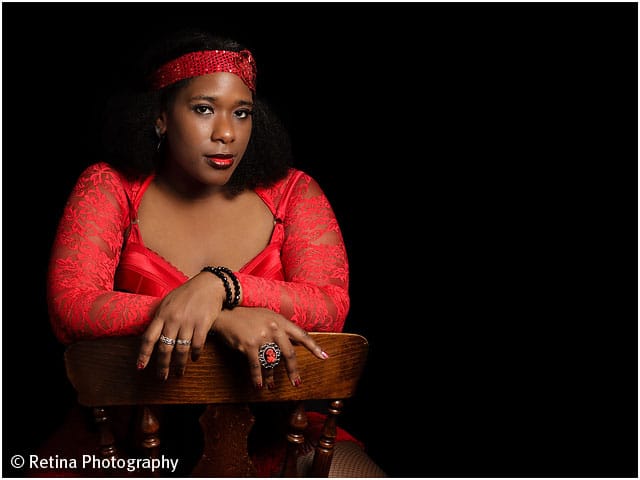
(208, 61)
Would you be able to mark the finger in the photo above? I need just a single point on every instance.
(296, 334)
(301, 337)
(197, 342)
(269, 355)
(268, 375)
(181, 352)
(147, 344)
(255, 371)
(164, 349)
(290, 359)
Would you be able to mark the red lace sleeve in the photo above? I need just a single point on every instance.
(81, 299)
(314, 293)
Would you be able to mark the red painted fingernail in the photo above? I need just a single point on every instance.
(259, 386)
(324, 354)
(297, 382)
(271, 385)
(140, 365)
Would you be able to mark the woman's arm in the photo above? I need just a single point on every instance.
(86, 249)
(314, 294)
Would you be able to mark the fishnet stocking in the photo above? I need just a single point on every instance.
(349, 461)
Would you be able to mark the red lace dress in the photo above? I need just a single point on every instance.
(103, 281)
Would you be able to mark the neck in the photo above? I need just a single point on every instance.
(176, 183)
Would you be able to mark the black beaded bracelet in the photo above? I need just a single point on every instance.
(236, 285)
(227, 288)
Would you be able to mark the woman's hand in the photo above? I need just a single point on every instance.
(181, 322)
(248, 328)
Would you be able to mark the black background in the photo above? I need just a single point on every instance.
(482, 161)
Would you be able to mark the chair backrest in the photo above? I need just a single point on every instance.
(103, 373)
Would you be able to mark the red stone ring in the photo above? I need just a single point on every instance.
(269, 355)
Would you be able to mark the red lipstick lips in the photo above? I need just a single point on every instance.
(221, 161)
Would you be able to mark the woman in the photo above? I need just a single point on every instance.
(198, 224)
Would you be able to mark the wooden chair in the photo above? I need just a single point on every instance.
(103, 374)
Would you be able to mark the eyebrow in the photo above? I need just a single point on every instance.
(213, 100)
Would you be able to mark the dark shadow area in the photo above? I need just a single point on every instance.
(482, 161)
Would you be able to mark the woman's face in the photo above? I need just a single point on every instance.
(207, 129)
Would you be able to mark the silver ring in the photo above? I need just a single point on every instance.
(167, 340)
(179, 341)
(269, 355)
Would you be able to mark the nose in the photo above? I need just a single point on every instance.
(222, 130)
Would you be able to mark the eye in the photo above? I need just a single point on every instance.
(203, 109)
(244, 113)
